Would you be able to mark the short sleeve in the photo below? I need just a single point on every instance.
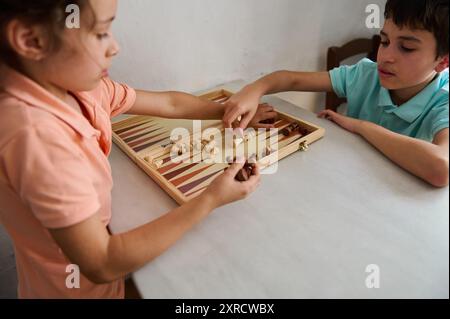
(121, 97)
(439, 119)
(346, 77)
(44, 168)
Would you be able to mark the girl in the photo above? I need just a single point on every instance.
(56, 102)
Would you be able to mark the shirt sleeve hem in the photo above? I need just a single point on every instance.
(439, 128)
(335, 82)
(74, 218)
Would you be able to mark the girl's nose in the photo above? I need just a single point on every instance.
(114, 48)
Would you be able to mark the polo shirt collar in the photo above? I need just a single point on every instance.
(28, 91)
(413, 108)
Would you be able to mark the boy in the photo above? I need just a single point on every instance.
(399, 105)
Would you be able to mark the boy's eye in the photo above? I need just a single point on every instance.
(102, 36)
(405, 49)
(384, 43)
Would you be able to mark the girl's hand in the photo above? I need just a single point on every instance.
(264, 112)
(226, 189)
(348, 123)
(243, 104)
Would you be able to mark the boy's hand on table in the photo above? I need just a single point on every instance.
(348, 123)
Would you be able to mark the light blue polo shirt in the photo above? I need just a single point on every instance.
(421, 117)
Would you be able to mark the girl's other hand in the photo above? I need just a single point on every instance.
(226, 189)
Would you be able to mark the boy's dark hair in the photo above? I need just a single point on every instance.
(430, 15)
(49, 13)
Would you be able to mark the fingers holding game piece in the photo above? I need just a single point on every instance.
(242, 175)
(255, 178)
(234, 167)
(226, 189)
(245, 171)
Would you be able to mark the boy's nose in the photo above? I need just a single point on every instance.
(386, 55)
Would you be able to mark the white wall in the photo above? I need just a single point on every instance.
(197, 44)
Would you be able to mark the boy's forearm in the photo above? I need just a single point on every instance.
(423, 159)
(275, 82)
(129, 251)
(282, 81)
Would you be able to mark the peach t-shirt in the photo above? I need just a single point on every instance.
(54, 173)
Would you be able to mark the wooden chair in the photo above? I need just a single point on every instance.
(336, 55)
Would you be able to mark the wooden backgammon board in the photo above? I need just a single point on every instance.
(183, 158)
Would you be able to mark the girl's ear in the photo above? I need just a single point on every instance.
(27, 41)
(443, 64)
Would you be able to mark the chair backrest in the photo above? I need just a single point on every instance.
(336, 55)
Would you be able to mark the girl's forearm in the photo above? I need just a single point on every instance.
(175, 105)
(129, 251)
(188, 106)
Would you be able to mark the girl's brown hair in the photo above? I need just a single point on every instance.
(49, 13)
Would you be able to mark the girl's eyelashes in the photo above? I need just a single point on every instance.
(102, 36)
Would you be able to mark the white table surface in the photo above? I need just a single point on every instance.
(309, 231)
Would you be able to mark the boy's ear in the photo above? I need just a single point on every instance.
(443, 64)
(28, 41)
